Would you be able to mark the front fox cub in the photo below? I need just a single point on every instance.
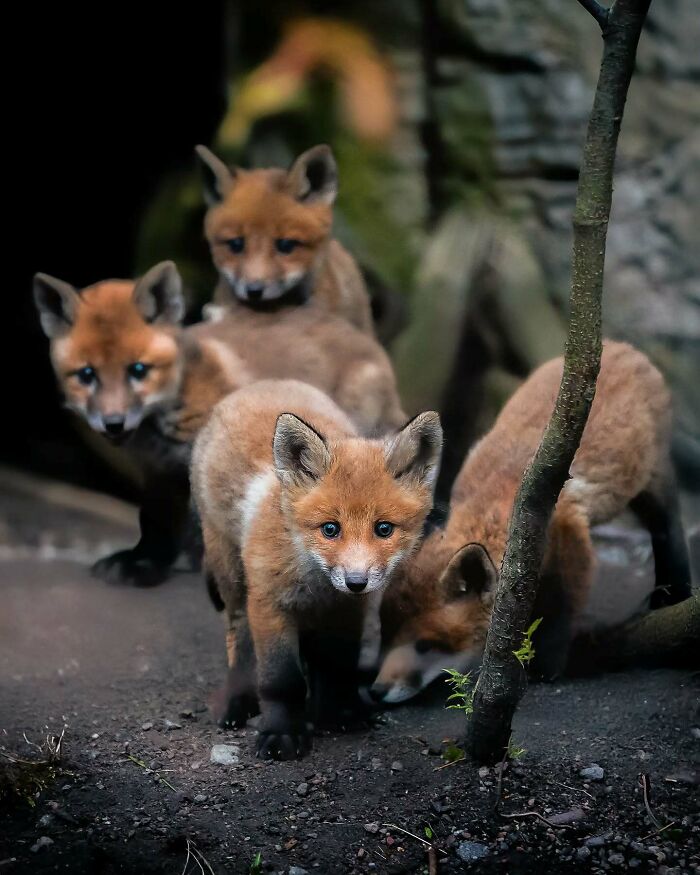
(125, 364)
(299, 516)
(437, 614)
(269, 231)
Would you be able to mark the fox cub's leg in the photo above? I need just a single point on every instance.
(283, 733)
(163, 517)
(333, 659)
(658, 510)
(240, 695)
(565, 583)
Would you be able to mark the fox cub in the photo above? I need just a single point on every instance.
(269, 231)
(437, 614)
(125, 364)
(301, 519)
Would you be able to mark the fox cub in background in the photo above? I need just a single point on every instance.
(269, 231)
(301, 519)
(437, 614)
(125, 364)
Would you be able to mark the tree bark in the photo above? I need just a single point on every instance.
(502, 680)
(665, 638)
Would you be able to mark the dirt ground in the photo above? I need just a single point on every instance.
(124, 676)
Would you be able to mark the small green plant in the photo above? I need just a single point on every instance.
(526, 652)
(452, 754)
(514, 752)
(256, 865)
(462, 695)
(428, 833)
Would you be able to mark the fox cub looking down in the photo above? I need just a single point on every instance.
(436, 615)
(301, 519)
(269, 231)
(125, 364)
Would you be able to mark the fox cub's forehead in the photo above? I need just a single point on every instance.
(108, 327)
(261, 202)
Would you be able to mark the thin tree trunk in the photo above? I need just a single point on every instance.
(667, 637)
(502, 680)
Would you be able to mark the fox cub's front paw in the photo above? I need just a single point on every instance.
(236, 711)
(284, 742)
(131, 568)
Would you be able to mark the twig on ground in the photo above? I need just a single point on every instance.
(659, 831)
(432, 861)
(499, 785)
(413, 836)
(576, 789)
(195, 854)
(445, 765)
(152, 771)
(645, 784)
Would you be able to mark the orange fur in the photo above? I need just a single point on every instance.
(263, 508)
(624, 451)
(262, 206)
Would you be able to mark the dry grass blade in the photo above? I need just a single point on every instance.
(193, 853)
(538, 816)
(146, 769)
(414, 836)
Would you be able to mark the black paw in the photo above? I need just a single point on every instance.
(237, 711)
(128, 567)
(292, 743)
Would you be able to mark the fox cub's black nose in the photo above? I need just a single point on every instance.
(356, 581)
(114, 425)
(254, 291)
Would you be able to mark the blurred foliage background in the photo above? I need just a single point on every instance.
(457, 126)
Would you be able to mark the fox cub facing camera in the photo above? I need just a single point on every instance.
(301, 519)
(269, 231)
(437, 614)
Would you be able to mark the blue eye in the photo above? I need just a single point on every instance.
(86, 375)
(330, 530)
(236, 245)
(285, 245)
(383, 529)
(138, 370)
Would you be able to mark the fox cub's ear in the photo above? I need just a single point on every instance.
(313, 178)
(158, 294)
(218, 179)
(470, 573)
(300, 453)
(414, 452)
(57, 303)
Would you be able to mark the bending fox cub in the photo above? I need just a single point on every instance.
(300, 515)
(437, 615)
(269, 233)
(126, 365)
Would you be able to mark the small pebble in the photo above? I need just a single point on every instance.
(224, 754)
(302, 789)
(147, 725)
(469, 851)
(43, 842)
(583, 853)
(45, 820)
(297, 870)
(592, 773)
(372, 827)
(595, 842)
(484, 772)
(170, 725)
(200, 797)
(396, 766)
(616, 859)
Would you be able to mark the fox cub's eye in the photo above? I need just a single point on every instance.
(138, 370)
(236, 244)
(383, 529)
(285, 245)
(86, 375)
(330, 530)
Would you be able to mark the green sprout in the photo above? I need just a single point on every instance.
(514, 752)
(428, 833)
(462, 695)
(256, 865)
(526, 652)
(452, 754)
